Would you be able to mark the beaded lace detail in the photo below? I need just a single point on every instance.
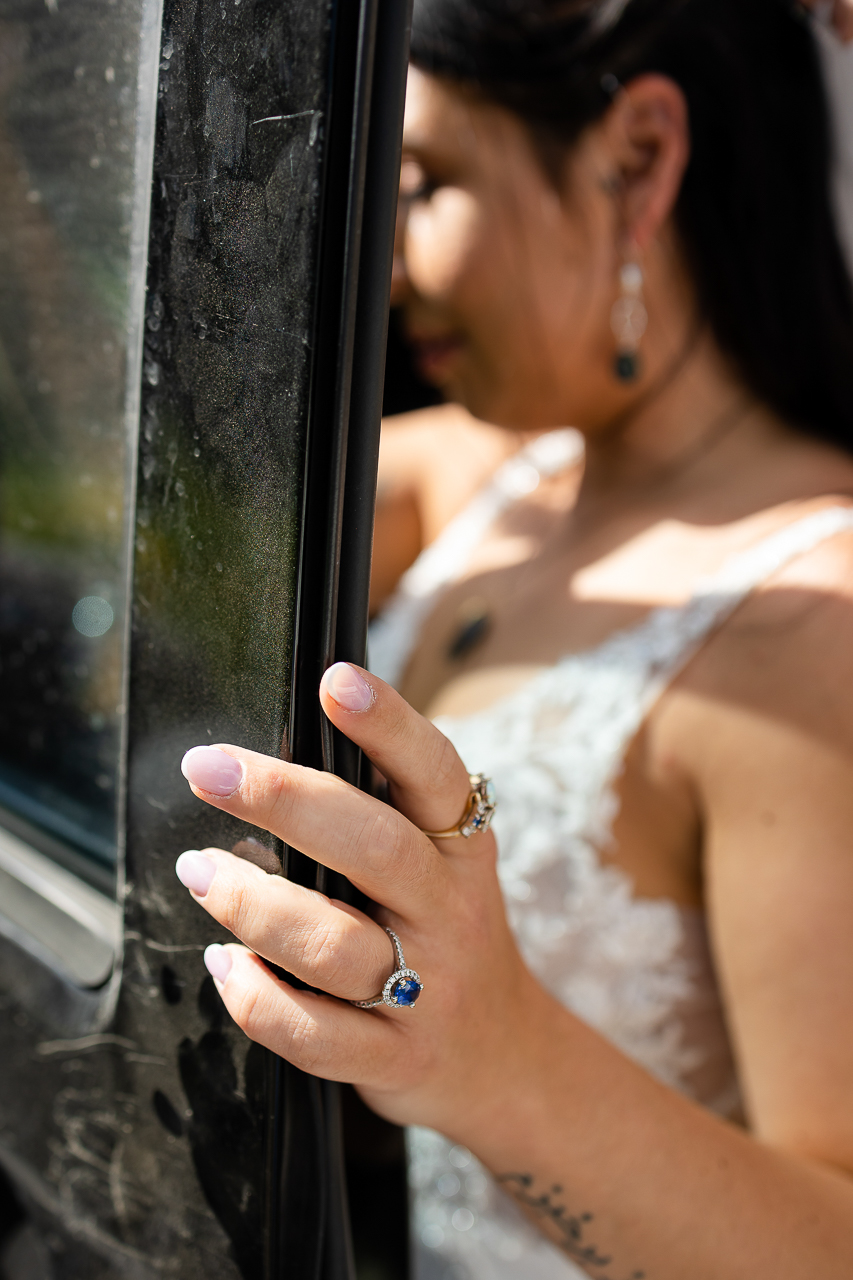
(638, 970)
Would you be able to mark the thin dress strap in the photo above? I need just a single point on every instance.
(394, 633)
(749, 569)
(672, 635)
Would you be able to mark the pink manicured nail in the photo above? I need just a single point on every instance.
(347, 687)
(217, 961)
(195, 871)
(212, 770)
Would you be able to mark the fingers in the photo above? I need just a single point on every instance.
(330, 821)
(429, 783)
(325, 944)
(316, 1033)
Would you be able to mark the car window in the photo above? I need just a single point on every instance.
(75, 142)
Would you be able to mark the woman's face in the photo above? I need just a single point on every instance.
(506, 283)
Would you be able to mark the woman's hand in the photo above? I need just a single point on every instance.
(432, 1064)
(609, 1162)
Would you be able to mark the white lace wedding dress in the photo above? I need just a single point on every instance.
(638, 970)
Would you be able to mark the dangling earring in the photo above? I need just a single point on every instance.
(628, 320)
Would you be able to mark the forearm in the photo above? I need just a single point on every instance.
(629, 1178)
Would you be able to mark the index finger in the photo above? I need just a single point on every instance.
(324, 817)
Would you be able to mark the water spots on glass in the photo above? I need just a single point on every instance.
(92, 616)
(109, 74)
(225, 124)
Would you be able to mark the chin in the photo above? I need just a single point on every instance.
(498, 400)
(480, 397)
(502, 410)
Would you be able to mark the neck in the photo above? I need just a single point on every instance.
(673, 437)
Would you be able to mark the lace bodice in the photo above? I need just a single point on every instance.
(638, 970)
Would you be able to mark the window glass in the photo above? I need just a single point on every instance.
(75, 141)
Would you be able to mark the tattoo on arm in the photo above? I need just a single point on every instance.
(571, 1228)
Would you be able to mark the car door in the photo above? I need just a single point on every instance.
(196, 219)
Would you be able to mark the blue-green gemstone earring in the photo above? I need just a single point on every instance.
(628, 320)
(626, 365)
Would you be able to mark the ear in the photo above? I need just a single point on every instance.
(647, 134)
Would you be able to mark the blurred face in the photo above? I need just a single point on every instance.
(506, 283)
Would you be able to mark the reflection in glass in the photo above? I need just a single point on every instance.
(75, 139)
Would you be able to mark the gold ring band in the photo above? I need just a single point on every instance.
(478, 814)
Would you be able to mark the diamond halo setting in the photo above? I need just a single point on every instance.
(402, 989)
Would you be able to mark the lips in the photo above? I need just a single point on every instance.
(435, 355)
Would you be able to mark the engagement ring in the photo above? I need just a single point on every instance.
(403, 987)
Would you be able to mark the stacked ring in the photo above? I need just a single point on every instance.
(478, 814)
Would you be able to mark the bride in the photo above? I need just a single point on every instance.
(625, 1041)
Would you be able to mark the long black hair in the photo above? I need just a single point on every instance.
(754, 213)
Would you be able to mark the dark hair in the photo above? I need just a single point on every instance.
(754, 212)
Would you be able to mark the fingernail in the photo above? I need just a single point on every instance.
(217, 961)
(347, 687)
(195, 871)
(212, 770)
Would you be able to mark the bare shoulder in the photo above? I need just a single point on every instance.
(799, 604)
(440, 456)
(782, 665)
(431, 463)
(436, 435)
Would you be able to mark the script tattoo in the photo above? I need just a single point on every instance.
(571, 1228)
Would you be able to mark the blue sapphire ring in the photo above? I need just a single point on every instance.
(478, 814)
(403, 987)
